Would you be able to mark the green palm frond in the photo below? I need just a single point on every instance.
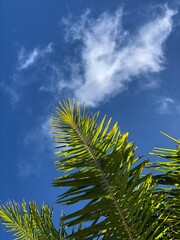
(168, 178)
(100, 166)
(28, 223)
(170, 168)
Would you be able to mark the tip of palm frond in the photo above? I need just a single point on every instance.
(168, 136)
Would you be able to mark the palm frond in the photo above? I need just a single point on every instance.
(168, 171)
(101, 167)
(27, 222)
(168, 177)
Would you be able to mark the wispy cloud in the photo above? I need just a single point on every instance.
(41, 134)
(167, 105)
(27, 59)
(104, 59)
(40, 140)
(111, 57)
(21, 77)
(26, 169)
(14, 97)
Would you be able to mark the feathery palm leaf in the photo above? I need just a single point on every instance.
(29, 224)
(100, 166)
(169, 177)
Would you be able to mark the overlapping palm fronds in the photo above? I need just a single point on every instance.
(99, 168)
(167, 181)
(99, 165)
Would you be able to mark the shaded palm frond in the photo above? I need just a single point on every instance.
(167, 181)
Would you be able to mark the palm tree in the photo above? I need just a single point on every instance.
(119, 199)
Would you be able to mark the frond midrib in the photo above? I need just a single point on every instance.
(20, 227)
(74, 125)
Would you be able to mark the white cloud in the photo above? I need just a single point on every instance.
(167, 105)
(111, 57)
(19, 79)
(25, 60)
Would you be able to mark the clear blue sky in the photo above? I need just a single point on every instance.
(120, 57)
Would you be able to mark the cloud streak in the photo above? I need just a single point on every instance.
(25, 60)
(167, 105)
(111, 57)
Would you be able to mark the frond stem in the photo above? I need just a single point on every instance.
(104, 179)
(25, 232)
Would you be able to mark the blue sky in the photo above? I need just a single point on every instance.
(120, 57)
